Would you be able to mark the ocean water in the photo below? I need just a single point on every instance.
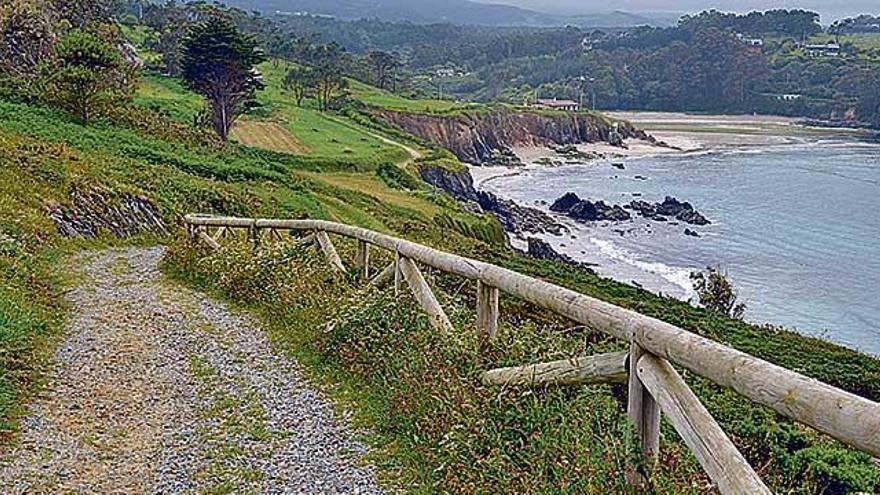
(796, 227)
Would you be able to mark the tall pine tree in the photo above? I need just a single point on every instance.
(218, 62)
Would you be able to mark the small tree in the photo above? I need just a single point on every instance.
(716, 293)
(88, 75)
(330, 84)
(301, 81)
(383, 65)
(219, 62)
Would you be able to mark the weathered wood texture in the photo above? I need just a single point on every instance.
(220, 234)
(207, 239)
(329, 251)
(487, 311)
(306, 241)
(642, 409)
(845, 416)
(724, 464)
(362, 259)
(423, 294)
(587, 370)
(386, 276)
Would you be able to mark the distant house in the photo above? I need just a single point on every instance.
(569, 105)
(587, 44)
(826, 50)
(754, 45)
(789, 97)
(445, 72)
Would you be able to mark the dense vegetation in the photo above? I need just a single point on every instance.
(436, 428)
(702, 64)
(441, 431)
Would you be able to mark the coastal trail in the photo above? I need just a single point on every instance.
(159, 389)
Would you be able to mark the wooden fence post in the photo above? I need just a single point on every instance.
(487, 311)
(254, 235)
(642, 409)
(724, 464)
(423, 294)
(397, 274)
(329, 251)
(385, 275)
(362, 259)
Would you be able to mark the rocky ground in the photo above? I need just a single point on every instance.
(158, 389)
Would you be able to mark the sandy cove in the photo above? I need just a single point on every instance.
(678, 133)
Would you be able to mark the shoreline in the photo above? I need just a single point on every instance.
(677, 134)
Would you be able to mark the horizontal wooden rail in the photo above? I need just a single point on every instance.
(602, 368)
(845, 416)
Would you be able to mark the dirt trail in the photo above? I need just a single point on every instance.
(158, 389)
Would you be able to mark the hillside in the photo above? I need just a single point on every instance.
(132, 356)
(554, 439)
(426, 11)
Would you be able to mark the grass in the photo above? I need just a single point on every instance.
(374, 96)
(169, 96)
(327, 136)
(436, 429)
(268, 135)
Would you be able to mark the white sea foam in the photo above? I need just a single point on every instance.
(679, 277)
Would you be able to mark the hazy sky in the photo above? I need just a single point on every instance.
(829, 9)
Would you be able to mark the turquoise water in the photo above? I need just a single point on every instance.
(796, 227)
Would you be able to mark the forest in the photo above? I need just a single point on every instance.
(704, 63)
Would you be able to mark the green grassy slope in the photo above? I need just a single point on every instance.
(438, 430)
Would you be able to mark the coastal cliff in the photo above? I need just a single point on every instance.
(480, 136)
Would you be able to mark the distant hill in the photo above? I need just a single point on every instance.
(620, 19)
(421, 11)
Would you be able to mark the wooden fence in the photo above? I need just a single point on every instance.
(654, 384)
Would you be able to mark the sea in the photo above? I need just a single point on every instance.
(795, 226)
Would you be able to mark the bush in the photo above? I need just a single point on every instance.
(716, 293)
(397, 178)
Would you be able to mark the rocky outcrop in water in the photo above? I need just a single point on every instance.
(587, 211)
(669, 208)
(95, 210)
(480, 136)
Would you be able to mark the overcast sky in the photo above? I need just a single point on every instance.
(830, 9)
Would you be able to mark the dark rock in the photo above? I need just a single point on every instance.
(587, 211)
(514, 218)
(541, 250)
(619, 166)
(459, 184)
(97, 210)
(670, 207)
(691, 233)
(519, 219)
(640, 177)
(565, 203)
(693, 217)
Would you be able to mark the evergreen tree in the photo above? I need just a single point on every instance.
(218, 62)
(88, 75)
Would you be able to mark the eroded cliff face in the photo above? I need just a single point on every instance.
(476, 137)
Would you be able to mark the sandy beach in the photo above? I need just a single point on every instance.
(675, 133)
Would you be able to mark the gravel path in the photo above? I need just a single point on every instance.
(158, 389)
